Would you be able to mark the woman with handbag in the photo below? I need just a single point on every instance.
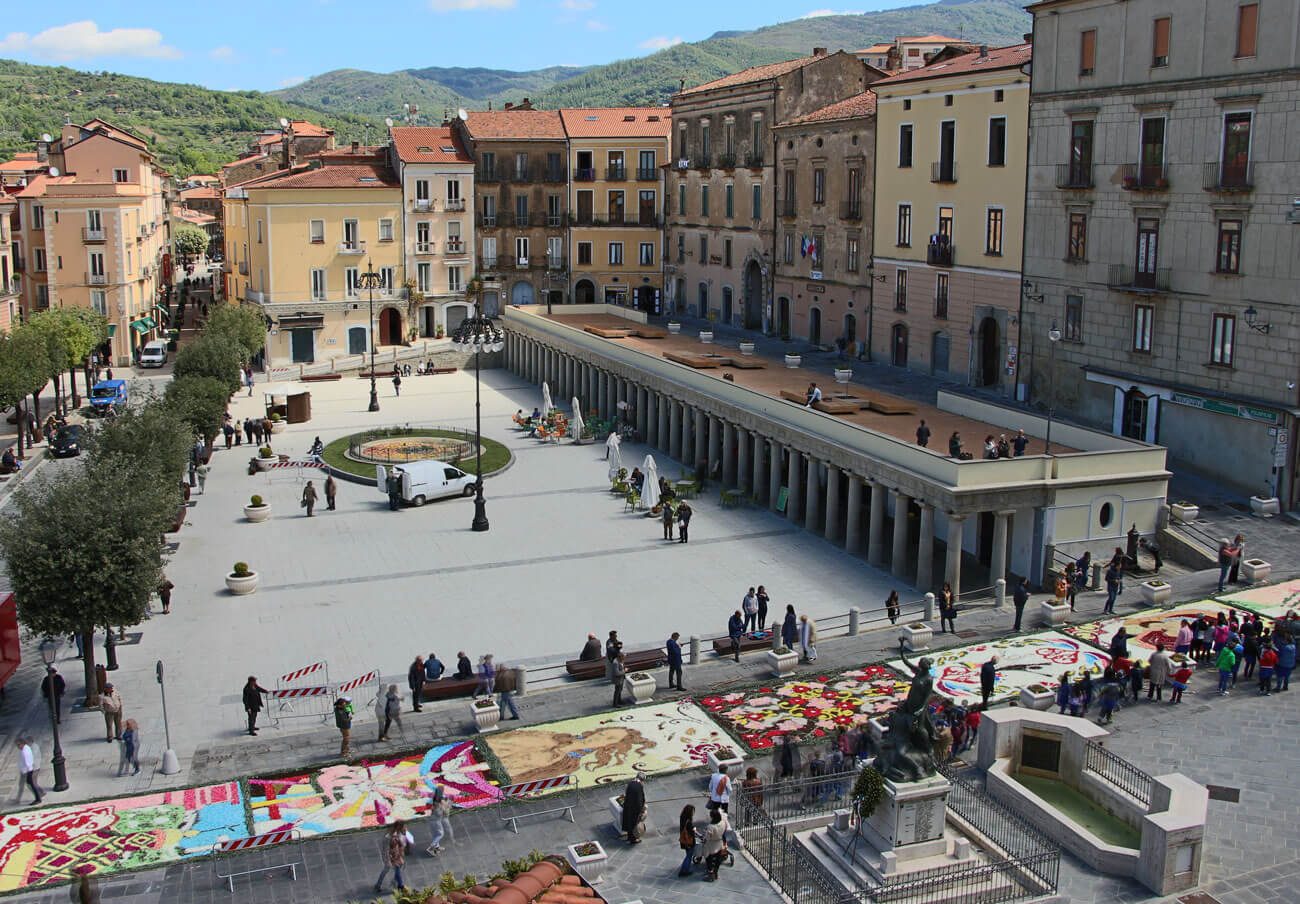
(714, 843)
(686, 838)
(392, 852)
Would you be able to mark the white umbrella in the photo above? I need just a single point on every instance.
(650, 488)
(614, 453)
(547, 404)
(576, 423)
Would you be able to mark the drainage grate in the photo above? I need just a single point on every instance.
(1198, 897)
(967, 635)
(1224, 793)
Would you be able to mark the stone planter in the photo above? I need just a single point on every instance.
(1184, 512)
(877, 726)
(916, 636)
(256, 513)
(747, 348)
(706, 336)
(782, 664)
(590, 864)
(639, 686)
(264, 464)
(1157, 593)
(486, 718)
(616, 815)
(843, 375)
(1178, 660)
(792, 361)
(1037, 697)
(674, 328)
(1052, 613)
(278, 426)
(726, 756)
(1265, 505)
(241, 586)
(1256, 570)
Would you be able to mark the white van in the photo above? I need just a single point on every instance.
(154, 354)
(426, 480)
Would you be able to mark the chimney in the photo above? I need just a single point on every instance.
(42, 151)
(819, 51)
(984, 50)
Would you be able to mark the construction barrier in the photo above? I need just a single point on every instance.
(304, 693)
(525, 791)
(303, 672)
(223, 849)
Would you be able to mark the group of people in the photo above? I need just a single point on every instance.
(994, 447)
(797, 631)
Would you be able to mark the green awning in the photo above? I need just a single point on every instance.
(166, 314)
(143, 326)
(112, 330)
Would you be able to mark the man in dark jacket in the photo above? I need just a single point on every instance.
(613, 647)
(988, 677)
(1020, 598)
(343, 719)
(633, 809)
(253, 694)
(591, 650)
(735, 630)
(53, 683)
(433, 668)
(394, 487)
(464, 668)
(415, 681)
(674, 661)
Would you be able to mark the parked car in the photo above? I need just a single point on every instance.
(67, 441)
(154, 354)
(426, 480)
(108, 395)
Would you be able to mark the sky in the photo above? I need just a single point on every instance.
(238, 46)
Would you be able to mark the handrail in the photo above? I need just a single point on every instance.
(1119, 772)
(1197, 534)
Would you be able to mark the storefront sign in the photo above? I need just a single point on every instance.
(816, 274)
(1229, 408)
(816, 288)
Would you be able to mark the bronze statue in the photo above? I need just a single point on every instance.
(907, 750)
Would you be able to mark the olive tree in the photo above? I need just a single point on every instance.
(94, 335)
(200, 403)
(69, 338)
(245, 325)
(154, 437)
(189, 241)
(216, 356)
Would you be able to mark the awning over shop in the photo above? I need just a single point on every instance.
(143, 326)
(166, 314)
(302, 322)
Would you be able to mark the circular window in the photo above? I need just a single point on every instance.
(1107, 514)
(819, 142)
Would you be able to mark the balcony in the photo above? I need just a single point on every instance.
(521, 263)
(1130, 279)
(454, 204)
(555, 175)
(487, 174)
(1229, 177)
(615, 218)
(940, 255)
(754, 160)
(789, 209)
(944, 172)
(352, 247)
(649, 220)
(554, 220)
(584, 219)
(558, 264)
(1144, 176)
(424, 247)
(1074, 176)
(487, 263)
(255, 296)
(424, 204)
(702, 162)
(522, 175)
(727, 161)
(454, 246)
(96, 279)
(243, 268)
(92, 235)
(486, 220)
(584, 174)
(616, 174)
(647, 174)
(851, 210)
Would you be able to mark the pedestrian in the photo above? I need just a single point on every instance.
(248, 379)
(789, 629)
(674, 649)
(667, 516)
(397, 382)
(1076, 698)
(392, 853)
(415, 681)
(392, 712)
(343, 721)
(130, 748)
(613, 646)
(201, 475)
(720, 789)
(617, 675)
(1224, 663)
(749, 606)
(1285, 659)
(714, 849)
(253, 694)
(1109, 695)
(1267, 662)
(433, 668)
(891, 607)
(28, 765)
(1158, 666)
(947, 609)
(1113, 579)
(1239, 543)
(735, 630)
(228, 431)
(785, 758)
(393, 485)
(686, 839)
(1183, 640)
(922, 434)
(1249, 654)
(464, 668)
(1226, 554)
(1085, 684)
(808, 638)
(193, 473)
(487, 676)
(752, 786)
(973, 724)
(505, 685)
(52, 688)
(988, 678)
(1019, 599)
(110, 704)
(1063, 693)
(165, 595)
(1118, 646)
(331, 491)
(1071, 583)
(248, 430)
(763, 599)
(954, 445)
(439, 821)
(1018, 443)
(310, 497)
(683, 521)
(634, 809)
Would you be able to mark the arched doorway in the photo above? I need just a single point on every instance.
(990, 352)
(1137, 405)
(390, 327)
(783, 317)
(453, 315)
(726, 305)
(815, 326)
(584, 292)
(521, 293)
(898, 345)
(753, 296)
(940, 352)
(428, 321)
(491, 304)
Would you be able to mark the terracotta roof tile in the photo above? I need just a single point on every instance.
(428, 144)
(617, 122)
(306, 129)
(199, 192)
(877, 48)
(1011, 57)
(505, 124)
(856, 107)
(333, 175)
(22, 162)
(752, 74)
(928, 39)
(192, 216)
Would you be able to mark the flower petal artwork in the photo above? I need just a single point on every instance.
(1274, 601)
(1146, 628)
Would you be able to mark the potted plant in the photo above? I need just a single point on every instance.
(1052, 613)
(1037, 696)
(439, 332)
(782, 661)
(746, 347)
(241, 581)
(277, 423)
(916, 636)
(793, 361)
(1130, 182)
(843, 374)
(1184, 511)
(257, 509)
(265, 458)
(486, 714)
(616, 813)
(639, 686)
(706, 336)
(1265, 505)
(588, 860)
(1155, 591)
(1256, 570)
(674, 327)
(1162, 183)
(725, 756)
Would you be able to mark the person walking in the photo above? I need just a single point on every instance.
(674, 649)
(28, 766)
(808, 638)
(667, 517)
(1285, 659)
(763, 599)
(392, 853)
(165, 595)
(110, 704)
(1267, 662)
(618, 673)
(720, 789)
(506, 684)
(683, 522)
(1224, 663)
(749, 606)
(331, 491)
(487, 676)
(892, 607)
(52, 688)
(248, 379)
(439, 821)
(343, 721)
(988, 678)
(397, 382)
(1113, 578)
(248, 430)
(686, 839)
(309, 498)
(228, 432)
(634, 809)
(1159, 667)
(1249, 654)
(714, 845)
(947, 609)
(130, 748)
(1019, 599)
(253, 694)
(201, 475)
(392, 712)
(789, 629)
(735, 630)
(415, 681)
(922, 434)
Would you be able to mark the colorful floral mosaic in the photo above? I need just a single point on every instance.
(808, 706)
(1274, 601)
(1146, 628)
(38, 847)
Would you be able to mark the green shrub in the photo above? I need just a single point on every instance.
(868, 791)
(255, 501)
(265, 452)
(241, 570)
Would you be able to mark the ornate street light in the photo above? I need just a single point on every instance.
(48, 650)
(370, 280)
(478, 334)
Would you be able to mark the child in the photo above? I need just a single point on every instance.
(1135, 679)
(1086, 681)
(1267, 660)
(1063, 693)
(1110, 693)
(1179, 681)
(1076, 699)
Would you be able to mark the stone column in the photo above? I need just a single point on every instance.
(687, 449)
(998, 565)
(602, 394)
(701, 439)
(812, 497)
(876, 526)
(728, 455)
(773, 475)
(661, 409)
(952, 568)
(832, 503)
(742, 461)
(652, 420)
(899, 562)
(715, 444)
(853, 522)
(925, 549)
(642, 401)
(793, 479)
(675, 430)
(757, 485)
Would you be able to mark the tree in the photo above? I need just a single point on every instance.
(90, 333)
(215, 356)
(246, 325)
(24, 369)
(69, 338)
(200, 403)
(189, 241)
(153, 436)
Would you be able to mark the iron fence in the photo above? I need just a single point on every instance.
(1119, 772)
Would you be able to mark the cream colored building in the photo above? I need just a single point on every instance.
(616, 155)
(951, 144)
(10, 283)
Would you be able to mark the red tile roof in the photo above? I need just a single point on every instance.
(199, 192)
(1011, 57)
(428, 144)
(192, 216)
(877, 48)
(333, 175)
(617, 122)
(928, 39)
(752, 74)
(267, 140)
(305, 129)
(856, 107)
(22, 162)
(523, 124)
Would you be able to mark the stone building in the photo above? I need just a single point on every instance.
(10, 283)
(823, 257)
(1163, 232)
(293, 143)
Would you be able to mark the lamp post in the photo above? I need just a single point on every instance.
(1054, 337)
(48, 651)
(478, 334)
(370, 280)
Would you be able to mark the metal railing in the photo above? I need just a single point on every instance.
(703, 162)
(487, 174)
(647, 173)
(424, 247)
(851, 210)
(1130, 279)
(789, 208)
(727, 161)
(92, 235)
(754, 159)
(454, 204)
(454, 246)
(1074, 175)
(96, 279)
(1196, 534)
(486, 220)
(1144, 176)
(584, 174)
(616, 174)
(555, 175)
(1229, 177)
(1119, 772)
(944, 171)
(940, 255)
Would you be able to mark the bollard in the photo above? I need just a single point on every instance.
(929, 607)
(776, 638)
(854, 615)
(695, 649)
(1000, 594)
(521, 681)
(1096, 576)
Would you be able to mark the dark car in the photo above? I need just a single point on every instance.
(68, 441)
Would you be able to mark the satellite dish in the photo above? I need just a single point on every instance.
(47, 137)
(388, 121)
(284, 123)
(462, 115)
(54, 171)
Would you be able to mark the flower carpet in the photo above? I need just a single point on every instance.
(1274, 601)
(1146, 628)
(811, 706)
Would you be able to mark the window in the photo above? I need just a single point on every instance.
(96, 264)
(521, 210)
(38, 216)
(349, 234)
(726, 252)
(1236, 150)
(1247, 28)
(422, 231)
(615, 253)
(424, 277)
(704, 249)
(1160, 42)
(38, 259)
(819, 186)
(947, 100)
(646, 257)
(703, 290)
(454, 283)
(681, 247)
(121, 175)
(521, 166)
(900, 290)
(1143, 317)
(941, 296)
(647, 165)
(999, 95)
(646, 214)
(1145, 274)
(259, 232)
(706, 139)
(1076, 251)
(756, 202)
(905, 146)
(453, 189)
(385, 230)
(945, 222)
(1229, 247)
(521, 250)
(787, 248)
(993, 232)
(1073, 318)
(681, 200)
(756, 137)
(584, 253)
(904, 225)
(729, 137)
(422, 191)
(42, 296)
(318, 285)
(1088, 52)
(488, 247)
(907, 104)
(704, 200)
(851, 255)
(998, 141)
(99, 302)
(316, 231)
(453, 235)
(729, 200)
(554, 252)
(386, 280)
(350, 280)
(681, 141)
(1081, 152)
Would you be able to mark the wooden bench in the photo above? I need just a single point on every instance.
(749, 643)
(799, 398)
(747, 364)
(320, 378)
(699, 362)
(837, 406)
(643, 332)
(448, 688)
(638, 661)
(608, 333)
(890, 406)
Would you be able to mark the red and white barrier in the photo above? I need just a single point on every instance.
(290, 693)
(268, 839)
(265, 840)
(527, 790)
(299, 673)
(357, 682)
(542, 784)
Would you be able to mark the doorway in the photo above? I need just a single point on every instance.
(783, 317)
(357, 341)
(1135, 418)
(726, 305)
(390, 327)
(753, 296)
(990, 352)
(815, 326)
(940, 351)
(521, 293)
(584, 292)
(428, 321)
(984, 539)
(454, 315)
(647, 299)
(302, 346)
(491, 304)
(850, 335)
(898, 345)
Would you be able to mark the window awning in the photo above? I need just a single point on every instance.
(166, 314)
(302, 322)
(143, 326)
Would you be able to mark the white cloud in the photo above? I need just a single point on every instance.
(596, 25)
(292, 80)
(83, 40)
(451, 6)
(223, 54)
(577, 5)
(818, 13)
(660, 42)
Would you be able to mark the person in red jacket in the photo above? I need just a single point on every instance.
(1267, 661)
(1179, 681)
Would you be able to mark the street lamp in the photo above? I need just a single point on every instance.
(48, 650)
(1054, 337)
(370, 280)
(478, 334)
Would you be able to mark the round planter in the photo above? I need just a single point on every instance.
(1156, 593)
(264, 464)
(747, 348)
(241, 586)
(792, 361)
(843, 374)
(256, 513)
(674, 328)
(706, 336)
(278, 426)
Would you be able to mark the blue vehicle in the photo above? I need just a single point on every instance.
(108, 397)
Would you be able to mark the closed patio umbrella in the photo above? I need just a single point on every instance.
(547, 404)
(650, 489)
(614, 454)
(576, 424)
